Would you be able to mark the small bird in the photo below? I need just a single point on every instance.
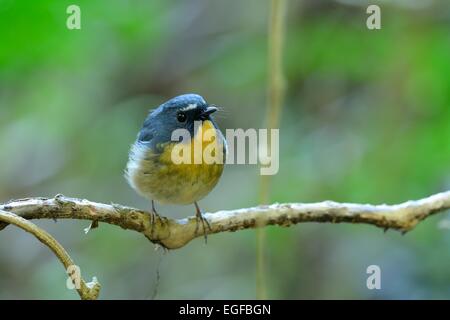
(151, 170)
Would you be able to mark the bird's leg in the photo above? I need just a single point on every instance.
(200, 218)
(154, 215)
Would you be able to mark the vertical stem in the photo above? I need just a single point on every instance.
(275, 92)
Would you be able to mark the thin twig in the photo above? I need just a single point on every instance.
(87, 291)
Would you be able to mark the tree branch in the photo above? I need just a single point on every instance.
(173, 234)
(87, 291)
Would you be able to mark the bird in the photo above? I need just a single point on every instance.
(151, 170)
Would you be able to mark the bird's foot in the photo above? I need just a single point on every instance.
(155, 217)
(201, 219)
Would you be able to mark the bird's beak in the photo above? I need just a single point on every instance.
(209, 110)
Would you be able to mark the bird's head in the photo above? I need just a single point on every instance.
(180, 112)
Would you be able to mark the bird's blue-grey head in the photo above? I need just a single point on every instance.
(178, 113)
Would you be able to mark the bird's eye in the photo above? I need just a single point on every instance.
(181, 116)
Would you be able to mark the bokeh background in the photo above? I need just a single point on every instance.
(366, 119)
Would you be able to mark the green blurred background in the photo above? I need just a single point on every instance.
(366, 119)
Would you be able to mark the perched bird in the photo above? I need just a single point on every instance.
(151, 169)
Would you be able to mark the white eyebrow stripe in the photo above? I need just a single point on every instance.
(189, 107)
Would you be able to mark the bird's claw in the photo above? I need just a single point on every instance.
(205, 223)
(156, 218)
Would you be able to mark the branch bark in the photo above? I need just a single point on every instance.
(86, 291)
(173, 234)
